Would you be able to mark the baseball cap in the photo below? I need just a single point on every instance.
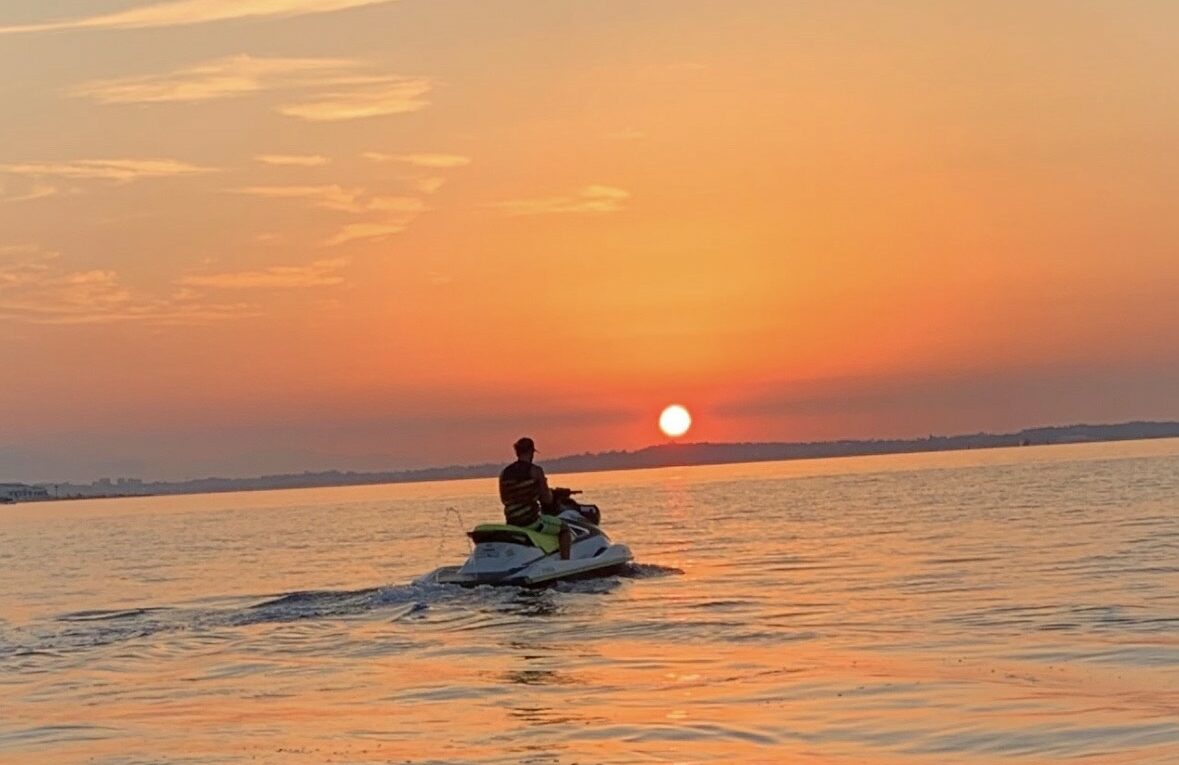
(524, 445)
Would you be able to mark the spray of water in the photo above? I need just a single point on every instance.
(444, 532)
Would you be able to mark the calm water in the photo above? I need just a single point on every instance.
(1009, 605)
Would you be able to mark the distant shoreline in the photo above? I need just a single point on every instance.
(663, 455)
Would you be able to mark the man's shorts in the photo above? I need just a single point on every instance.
(549, 524)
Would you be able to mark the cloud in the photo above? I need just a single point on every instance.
(420, 160)
(367, 97)
(36, 288)
(120, 170)
(293, 160)
(185, 12)
(354, 232)
(329, 89)
(38, 180)
(339, 198)
(320, 273)
(428, 185)
(27, 191)
(220, 78)
(397, 212)
(23, 263)
(591, 199)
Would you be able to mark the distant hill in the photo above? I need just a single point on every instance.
(663, 455)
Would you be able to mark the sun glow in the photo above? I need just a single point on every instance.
(675, 421)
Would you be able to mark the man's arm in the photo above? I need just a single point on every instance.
(546, 494)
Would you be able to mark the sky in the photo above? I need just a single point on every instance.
(254, 236)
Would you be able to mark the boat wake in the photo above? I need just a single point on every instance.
(79, 631)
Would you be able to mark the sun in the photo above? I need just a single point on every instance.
(675, 421)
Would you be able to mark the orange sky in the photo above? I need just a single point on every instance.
(241, 237)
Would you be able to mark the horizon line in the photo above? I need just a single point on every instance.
(438, 473)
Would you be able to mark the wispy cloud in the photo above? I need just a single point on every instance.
(354, 232)
(322, 89)
(395, 212)
(293, 160)
(428, 185)
(220, 78)
(591, 199)
(35, 287)
(120, 170)
(339, 198)
(320, 273)
(27, 181)
(26, 190)
(185, 12)
(24, 264)
(363, 97)
(421, 159)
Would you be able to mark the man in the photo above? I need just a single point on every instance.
(525, 492)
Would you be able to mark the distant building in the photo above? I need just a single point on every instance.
(19, 492)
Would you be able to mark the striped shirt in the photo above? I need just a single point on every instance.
(521, 486)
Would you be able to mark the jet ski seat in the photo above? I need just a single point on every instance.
(502, 532)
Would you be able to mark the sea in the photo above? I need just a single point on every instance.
(989, 606)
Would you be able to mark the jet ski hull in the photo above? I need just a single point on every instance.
(542, 571)
(510, 555)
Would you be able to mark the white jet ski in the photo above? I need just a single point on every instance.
(512, 555)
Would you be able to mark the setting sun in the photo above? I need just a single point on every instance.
(675, 421)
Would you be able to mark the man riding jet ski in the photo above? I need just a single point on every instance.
(548, 536)
(528, 501)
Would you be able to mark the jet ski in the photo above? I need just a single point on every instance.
(512, 555)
